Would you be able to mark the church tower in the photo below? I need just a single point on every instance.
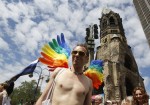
(121, 74)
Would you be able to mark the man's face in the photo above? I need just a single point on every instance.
(79, 56)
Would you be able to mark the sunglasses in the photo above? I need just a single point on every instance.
(80, 53)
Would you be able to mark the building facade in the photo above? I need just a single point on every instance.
(121, 73)
(143, 10)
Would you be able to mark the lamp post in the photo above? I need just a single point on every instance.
(40, 77)
(47, 76)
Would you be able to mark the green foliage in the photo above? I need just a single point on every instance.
(25, 93)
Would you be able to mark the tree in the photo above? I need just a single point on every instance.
(25, 93)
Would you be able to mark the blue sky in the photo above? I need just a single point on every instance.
(25, 25)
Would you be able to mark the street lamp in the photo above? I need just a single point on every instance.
(40, 77)
(47, 75)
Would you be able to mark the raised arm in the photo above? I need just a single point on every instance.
(46, 90)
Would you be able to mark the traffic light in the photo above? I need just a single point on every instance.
(95, 31)
(87, 32)
(86, 39)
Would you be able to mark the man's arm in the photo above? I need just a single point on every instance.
(87, 100)
(45, 92)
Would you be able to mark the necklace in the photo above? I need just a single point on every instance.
(76, 73)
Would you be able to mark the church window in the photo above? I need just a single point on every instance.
(112, 21)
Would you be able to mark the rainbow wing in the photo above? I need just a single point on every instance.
(56, 53)
(95, 73)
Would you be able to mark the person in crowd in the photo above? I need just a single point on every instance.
(97, 100)
(127, 101)
(108, 102)
(4, 99)
(72, 87)
(1, 95)
(114, 102)
(140, 96)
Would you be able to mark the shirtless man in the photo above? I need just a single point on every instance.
(72, 86)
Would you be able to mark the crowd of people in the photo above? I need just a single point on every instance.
(139, 97)
(72, 87)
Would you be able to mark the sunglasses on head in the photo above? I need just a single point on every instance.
(80, 53)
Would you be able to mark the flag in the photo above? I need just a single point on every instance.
(29, 69)
(10, 88)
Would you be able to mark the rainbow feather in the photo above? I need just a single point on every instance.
(56, 53)
(95, 73)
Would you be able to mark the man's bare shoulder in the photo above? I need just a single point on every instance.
(89, 80)
(55, 72)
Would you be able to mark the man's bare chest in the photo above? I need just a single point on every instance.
(76, 85)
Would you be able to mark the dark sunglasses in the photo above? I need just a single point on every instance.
(81, 53)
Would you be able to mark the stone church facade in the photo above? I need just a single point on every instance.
(121, 73)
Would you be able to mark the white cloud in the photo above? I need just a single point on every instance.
(3, 45)
(45, 6)
(25, 25)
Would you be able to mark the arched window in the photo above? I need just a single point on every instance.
(112, 21)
